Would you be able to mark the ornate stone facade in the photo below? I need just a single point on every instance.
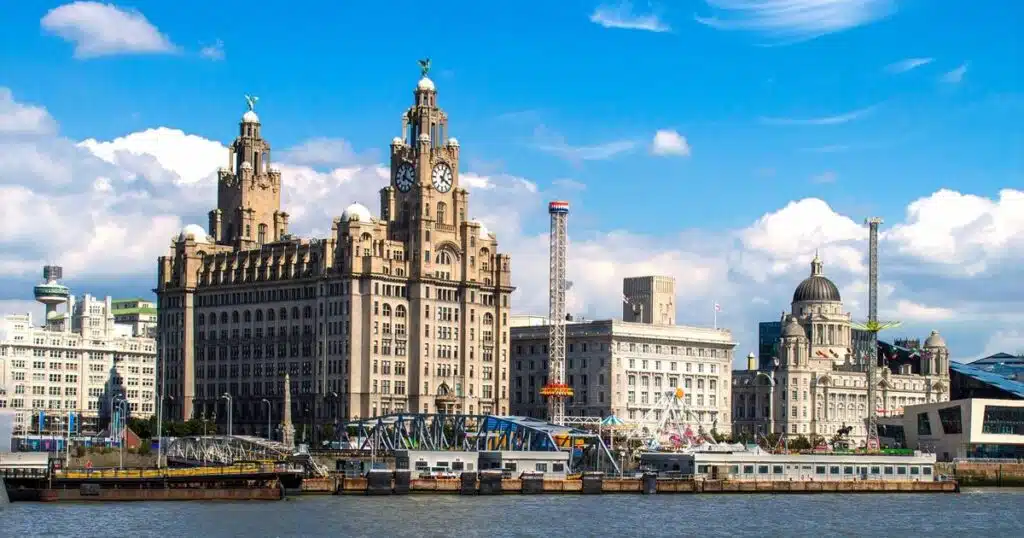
(818, 384)
(408, 311)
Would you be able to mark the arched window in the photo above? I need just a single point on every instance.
(386, 309)
(246, 316)
(224, 317)
(282, 314)
(201, 320)
(270, 314)
(440, 212)
(488, 319)
(400, 311)
(307, 312)
(444, 258)
(295, 312)
(259, 316)
(261, 232)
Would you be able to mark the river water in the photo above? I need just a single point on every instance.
(990, 512)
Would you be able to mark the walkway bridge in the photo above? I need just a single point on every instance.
(449, 432)
(205, 450)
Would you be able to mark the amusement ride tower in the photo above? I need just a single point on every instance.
(873, 326)
(556, 391)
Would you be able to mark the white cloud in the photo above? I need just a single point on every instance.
(795, 20)
(669, 142)
(213, 52)
(321, 152)
(98, 29)
(108, 209)
(837, 119)
(622, 16)
(956, 76)
(555, 144)
(17, 118)
(909, 64)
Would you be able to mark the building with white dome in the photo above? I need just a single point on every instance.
(405, 310)
(818, 381)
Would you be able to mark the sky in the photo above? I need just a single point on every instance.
(722, 142)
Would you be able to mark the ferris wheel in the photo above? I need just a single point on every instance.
(670, 424)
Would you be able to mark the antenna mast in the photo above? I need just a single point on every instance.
(556, 390)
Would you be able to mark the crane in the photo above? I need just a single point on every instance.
(556, 391)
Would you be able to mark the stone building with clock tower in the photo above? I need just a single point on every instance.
(405, 312)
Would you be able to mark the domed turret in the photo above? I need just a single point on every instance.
(357, 212)
(250, 117)
(793, 329)
(935, 340)
(194, 232)
(425, 85)
(817, 287)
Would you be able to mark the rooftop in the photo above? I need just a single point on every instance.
(991, 378)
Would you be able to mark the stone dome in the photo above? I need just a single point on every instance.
(793, 329)
(817, 287)
(425, 84)
(452, 141)
(194, 232)
(356, 212)
(935, 340)
(250, 117)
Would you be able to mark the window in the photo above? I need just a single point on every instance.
(833, 470)
(819, 469)
(748, 469)
(924, 427)
(950, 419)
(776, 469)
(1003, 420)
(848, 469)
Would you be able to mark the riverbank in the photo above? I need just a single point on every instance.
(982, 474)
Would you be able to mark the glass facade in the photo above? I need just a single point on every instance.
(950, 418)
(768, 333)
(1003, 420)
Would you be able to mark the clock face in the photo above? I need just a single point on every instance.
(442, 177)
(404, 177)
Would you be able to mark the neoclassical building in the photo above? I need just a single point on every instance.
(405, 311)
(818, 383)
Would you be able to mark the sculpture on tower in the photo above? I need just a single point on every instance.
(424, 66)
(251, 101)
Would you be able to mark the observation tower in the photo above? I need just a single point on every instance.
(51, 292)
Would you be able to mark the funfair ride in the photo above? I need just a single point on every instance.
(873, 326)
(556, 391)
(670, 426)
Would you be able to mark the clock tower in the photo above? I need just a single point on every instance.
(424, 204)
(248, 210)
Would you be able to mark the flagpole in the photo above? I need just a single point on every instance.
(714, 307)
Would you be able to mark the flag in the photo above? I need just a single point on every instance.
(718, 307)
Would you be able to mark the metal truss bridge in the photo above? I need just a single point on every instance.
(474, 433)
(231, 449)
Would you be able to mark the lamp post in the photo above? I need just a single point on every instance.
(334, 415)
(270, 435)
(122, 406)
(227, 397)
(160, 426)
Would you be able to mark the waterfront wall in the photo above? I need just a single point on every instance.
(978, 474)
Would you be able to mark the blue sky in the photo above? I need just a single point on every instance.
(868, 105)
(331, 69)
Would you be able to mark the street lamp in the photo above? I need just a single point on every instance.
(122, 406)
(160, 425)
(270, 435)
(227, 397)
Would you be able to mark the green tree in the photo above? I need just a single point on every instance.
(799, 442)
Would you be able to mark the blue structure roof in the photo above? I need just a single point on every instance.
(1010, 386)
